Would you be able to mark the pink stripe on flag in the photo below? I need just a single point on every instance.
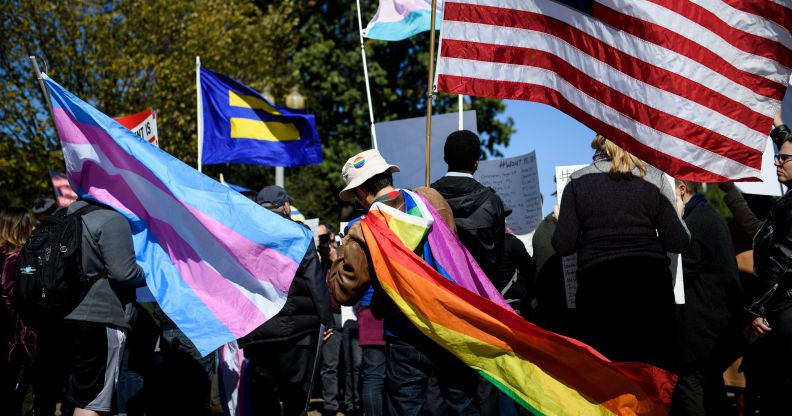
(226, 302)
(454, 258)
(263, 263)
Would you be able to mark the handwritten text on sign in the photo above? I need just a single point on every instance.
(517, 183)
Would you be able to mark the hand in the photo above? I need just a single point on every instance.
(556, 211)
(327, 334)
(333, 256)
(726, 186)
(777, 121)
(760, 326)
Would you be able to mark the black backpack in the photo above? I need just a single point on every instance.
(49, 279)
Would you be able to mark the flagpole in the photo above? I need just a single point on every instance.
(45, 91)
(430, 93)
(199, 109)
(41, 83)
(366, 77)
(461, 107)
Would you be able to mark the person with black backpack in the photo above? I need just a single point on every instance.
(74, 277)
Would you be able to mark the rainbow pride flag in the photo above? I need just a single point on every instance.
(218, 264)
(546, 373)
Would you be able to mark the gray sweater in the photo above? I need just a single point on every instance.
(106, 245)
(604, 218)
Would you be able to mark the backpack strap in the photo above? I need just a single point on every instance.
(79, 214)
(511, 283)
(85, 210)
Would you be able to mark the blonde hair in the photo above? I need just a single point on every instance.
(622, 162)
(16, 225)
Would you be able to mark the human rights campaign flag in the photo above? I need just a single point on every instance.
(241, 126)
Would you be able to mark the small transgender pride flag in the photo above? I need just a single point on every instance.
(400, 19)
(218, 264)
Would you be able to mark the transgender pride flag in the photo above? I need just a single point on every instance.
(400, 19)
(218, 264)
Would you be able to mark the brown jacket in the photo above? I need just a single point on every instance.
(352, 271)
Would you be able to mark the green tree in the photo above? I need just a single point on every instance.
(327, 58)
(124, 56)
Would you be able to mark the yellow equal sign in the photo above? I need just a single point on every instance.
(245, 128)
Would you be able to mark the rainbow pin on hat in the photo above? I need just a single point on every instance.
(360, 168)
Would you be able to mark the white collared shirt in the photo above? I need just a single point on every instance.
(460, 175)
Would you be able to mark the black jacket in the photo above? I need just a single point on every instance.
(772, 289)
(515, 271)
(480, 217)
(307, 305)
(712, 290)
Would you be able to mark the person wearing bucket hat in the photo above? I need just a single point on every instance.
(362, 167)
(411, 356)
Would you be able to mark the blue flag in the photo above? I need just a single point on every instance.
(241, 126)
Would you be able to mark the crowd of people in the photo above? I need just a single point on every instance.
(109, 353)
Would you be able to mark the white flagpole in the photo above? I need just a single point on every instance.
(41, 83)
(40, 77)
(365, 75)
(461, 108)
(200, 110)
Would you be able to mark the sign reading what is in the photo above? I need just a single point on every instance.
(144, 124)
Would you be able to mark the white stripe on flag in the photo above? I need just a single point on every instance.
(264, 295)
(748, 22)
(649, 95)
(647, 135)
(670, 97)
(653, 13)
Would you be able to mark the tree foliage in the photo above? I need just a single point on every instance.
(124, 56)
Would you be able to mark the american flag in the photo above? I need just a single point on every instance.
(689, 86)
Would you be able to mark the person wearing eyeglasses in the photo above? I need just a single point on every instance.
(771, 294)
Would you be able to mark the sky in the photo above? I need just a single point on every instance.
(557, 138)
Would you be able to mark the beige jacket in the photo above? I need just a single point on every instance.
(352, 271)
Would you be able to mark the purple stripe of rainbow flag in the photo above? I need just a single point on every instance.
(547, 373)
(218, 264)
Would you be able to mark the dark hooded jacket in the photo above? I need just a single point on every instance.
(480, 217)
(307, 305)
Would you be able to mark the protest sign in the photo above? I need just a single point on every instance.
(64, 193)
(569, 263)
(144, 124)
(786, 106)
(403, 143)
(769, 185)
(516, 180)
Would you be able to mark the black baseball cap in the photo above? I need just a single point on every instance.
(272, 196)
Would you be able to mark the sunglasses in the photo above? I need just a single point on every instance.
(782, 158)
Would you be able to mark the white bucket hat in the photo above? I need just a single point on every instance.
(360, 168)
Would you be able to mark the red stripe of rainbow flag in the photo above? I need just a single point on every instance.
(545, 372)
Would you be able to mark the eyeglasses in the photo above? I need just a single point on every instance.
(782, 158)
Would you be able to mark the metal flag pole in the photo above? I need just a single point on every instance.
(430, 93)
(40, 79)
(366, 77)
(199, 109)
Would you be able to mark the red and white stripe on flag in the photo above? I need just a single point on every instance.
(689, 86)
(144, 124)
